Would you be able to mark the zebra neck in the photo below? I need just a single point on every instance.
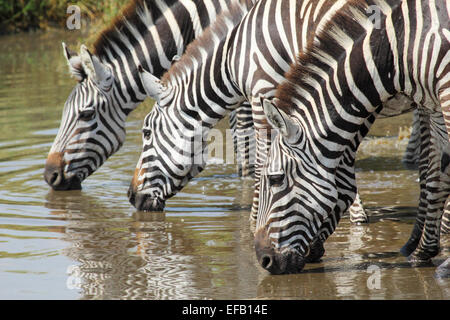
(150, 34)
(200, 84)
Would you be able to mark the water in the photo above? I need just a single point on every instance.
(92, 244)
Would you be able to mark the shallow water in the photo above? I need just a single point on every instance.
(92, 244)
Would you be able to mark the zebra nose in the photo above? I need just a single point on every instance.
(145, 202)
(53, 174)
(276, 262)
(266, 261)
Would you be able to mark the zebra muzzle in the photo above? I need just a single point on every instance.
(290, 261)
(145, 202)
(55, 177)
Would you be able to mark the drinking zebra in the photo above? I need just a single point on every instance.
(326, 106)
(241, 72)
(150, 33)
(248, 56)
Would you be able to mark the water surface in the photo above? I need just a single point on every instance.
(92, 244)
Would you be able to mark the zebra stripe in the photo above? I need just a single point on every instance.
(245, 71)
(149, 33)
(241, 69)
(325, 108)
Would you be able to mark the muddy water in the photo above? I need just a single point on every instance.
(92, 244)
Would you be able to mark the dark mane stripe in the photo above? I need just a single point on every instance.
(128, 14)
(324, 42)
(219, 29)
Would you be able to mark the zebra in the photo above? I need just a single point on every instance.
(241, 72)
(219, 50)
(88, 134)
(325, 107)
(152, 33)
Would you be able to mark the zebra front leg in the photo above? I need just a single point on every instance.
(413, 241)
(438, 188)
(411, 156)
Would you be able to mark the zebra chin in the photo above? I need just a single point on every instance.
(287, 262)
(145, 202)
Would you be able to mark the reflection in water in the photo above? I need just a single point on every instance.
(147, 256)
(91, 244)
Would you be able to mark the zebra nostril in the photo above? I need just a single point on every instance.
(266, 262)
(53, 178)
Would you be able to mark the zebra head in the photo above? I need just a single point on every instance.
(91, 130)
(172, 154)
(296, 195)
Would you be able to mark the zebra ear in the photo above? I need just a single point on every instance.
(94, 68)
(278, 119)
(74, 63)
(152, 84)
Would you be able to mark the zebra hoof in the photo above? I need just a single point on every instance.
(421, 258)
(409, 247)
(316, 252)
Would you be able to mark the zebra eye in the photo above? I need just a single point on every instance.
(276, 180)
(86, 115)
(146, 133)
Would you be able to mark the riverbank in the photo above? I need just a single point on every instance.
(31, 15)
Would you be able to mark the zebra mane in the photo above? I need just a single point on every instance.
(134, 13)
(218, 30)
(315, 59)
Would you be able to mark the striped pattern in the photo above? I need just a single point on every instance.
(148, 33)
(248, 58)
(324, 109)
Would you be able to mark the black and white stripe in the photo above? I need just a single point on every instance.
(248, 58)
(149, 33)
(324, 109)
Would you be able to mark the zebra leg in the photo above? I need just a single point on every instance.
(241, 124)
(411, 155)
(357, 213)
(424, 146)
(438, 188)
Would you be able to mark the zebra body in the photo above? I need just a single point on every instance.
(151, 34)
(331, 97)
